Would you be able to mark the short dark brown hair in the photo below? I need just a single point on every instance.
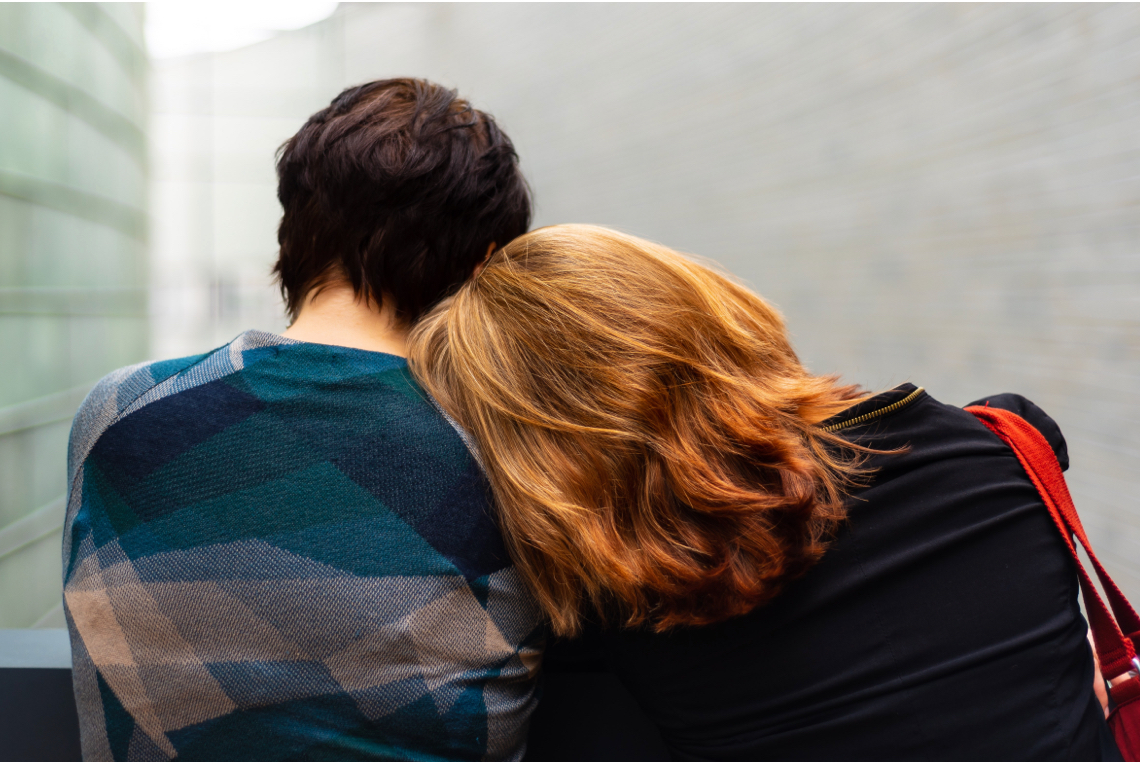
(399, 186)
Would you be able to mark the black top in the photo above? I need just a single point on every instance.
(942, 623)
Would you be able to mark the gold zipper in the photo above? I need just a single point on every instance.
(874, 414)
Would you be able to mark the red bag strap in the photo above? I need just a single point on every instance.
(1116, 652)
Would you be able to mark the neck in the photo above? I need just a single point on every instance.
(336, 316)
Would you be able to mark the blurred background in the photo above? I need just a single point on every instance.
(941, 194)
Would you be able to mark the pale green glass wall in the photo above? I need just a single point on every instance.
(73, 303)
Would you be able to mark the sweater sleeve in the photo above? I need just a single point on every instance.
(1030, 412)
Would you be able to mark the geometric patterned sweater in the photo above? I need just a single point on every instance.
(282, 550)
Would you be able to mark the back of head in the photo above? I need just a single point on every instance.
(399, 186)
(646, 426)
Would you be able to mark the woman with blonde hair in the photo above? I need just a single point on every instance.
(776, 564)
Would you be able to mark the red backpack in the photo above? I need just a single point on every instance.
(1116, 639)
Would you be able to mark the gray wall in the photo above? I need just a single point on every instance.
(945, 194)
(72, 261)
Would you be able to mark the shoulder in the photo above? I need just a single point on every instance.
(126, 390)
(1030, 412)
(908, 418)
(115, 394)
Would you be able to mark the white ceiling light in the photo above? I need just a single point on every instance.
(184, 27)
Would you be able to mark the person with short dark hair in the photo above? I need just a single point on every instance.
(281, 549)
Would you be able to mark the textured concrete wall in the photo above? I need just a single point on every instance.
(72, 261)
(945, 194)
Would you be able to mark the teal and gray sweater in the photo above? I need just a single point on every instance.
(282, 550)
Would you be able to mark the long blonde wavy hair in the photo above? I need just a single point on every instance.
(645, 425)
